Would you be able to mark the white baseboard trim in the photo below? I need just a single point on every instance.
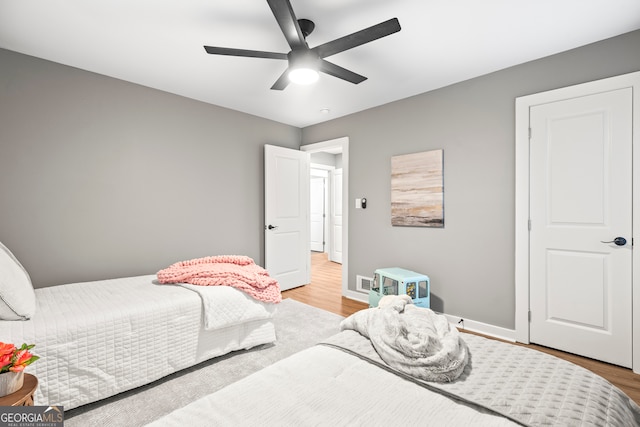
(482, 328)
(357, 296)
(468, 324)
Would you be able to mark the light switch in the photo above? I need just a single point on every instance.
(358, 203)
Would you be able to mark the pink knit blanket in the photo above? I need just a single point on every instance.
(238, 271)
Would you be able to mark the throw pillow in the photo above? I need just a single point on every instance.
(17, 297)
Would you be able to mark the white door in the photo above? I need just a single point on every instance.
(580, 198)
(317, 212)
(335, 253)
(286, 202)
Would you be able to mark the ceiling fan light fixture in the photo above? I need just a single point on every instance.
(303, 76)
(303, 67)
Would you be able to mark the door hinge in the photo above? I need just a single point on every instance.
(529, 224)
(529, 315)
(530, 133)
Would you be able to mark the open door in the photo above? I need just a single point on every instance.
(286, 225)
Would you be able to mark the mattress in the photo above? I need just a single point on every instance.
(339, 383)
(97, 339)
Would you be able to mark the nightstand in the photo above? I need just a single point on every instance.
(24, 396)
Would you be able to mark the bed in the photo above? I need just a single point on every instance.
(344, 381)
(96, 339)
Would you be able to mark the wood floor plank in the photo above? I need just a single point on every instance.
(325, 292)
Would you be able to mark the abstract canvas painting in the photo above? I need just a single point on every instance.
(417, 189)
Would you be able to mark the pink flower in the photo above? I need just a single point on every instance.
(5, 360)
(6, 352)
(20, 359)
(6, 349)
(15, 359)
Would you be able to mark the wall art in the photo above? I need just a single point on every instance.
(417, 189)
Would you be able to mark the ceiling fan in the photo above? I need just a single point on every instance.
(306, 61)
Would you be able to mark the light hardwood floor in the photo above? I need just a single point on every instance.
(325, 292)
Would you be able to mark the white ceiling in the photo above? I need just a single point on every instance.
(159, 44)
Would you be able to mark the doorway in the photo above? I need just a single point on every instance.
(334, 155)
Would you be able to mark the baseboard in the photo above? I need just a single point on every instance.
(482, 328)
(467, 324)
(357, 296)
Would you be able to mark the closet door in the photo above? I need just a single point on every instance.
(581, 225)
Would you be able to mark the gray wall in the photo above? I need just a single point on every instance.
(100, 178)
(470, 261)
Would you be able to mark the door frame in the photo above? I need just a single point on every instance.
(523, 105)
(319, 147)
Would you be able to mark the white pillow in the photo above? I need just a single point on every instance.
(17, 297)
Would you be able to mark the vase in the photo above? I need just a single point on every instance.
(10, 382)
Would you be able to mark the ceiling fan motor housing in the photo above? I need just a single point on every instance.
(303, 58)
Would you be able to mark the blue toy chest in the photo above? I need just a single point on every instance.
(398, 281)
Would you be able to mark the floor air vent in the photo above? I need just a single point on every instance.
(363, 283)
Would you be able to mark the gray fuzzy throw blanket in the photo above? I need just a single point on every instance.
(412, 340)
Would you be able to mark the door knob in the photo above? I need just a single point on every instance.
(272, 227)
(620, 241)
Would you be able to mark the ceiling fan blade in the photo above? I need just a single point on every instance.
(282, 81)
(358, 38)
(243, 52)
(288, 23)
(341, 73)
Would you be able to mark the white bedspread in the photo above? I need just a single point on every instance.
(322, 386)
(97, 339)
(525, 385)
(224, 306)
(343, 382)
